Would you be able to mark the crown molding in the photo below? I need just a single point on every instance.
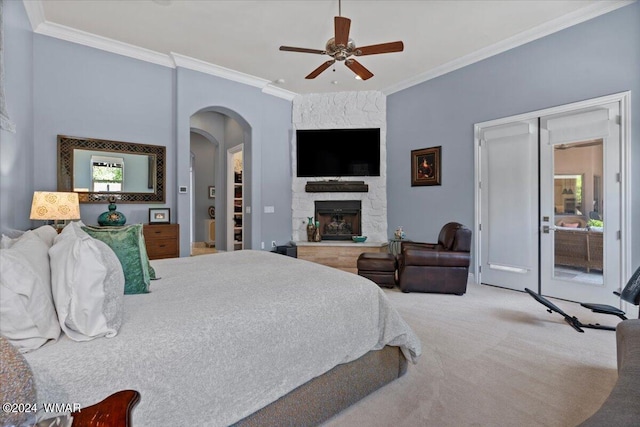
(535, 33)
(216, 70)
(35, 12)
(270, 89)
(103, 43)
(172, 60)
(229, 74)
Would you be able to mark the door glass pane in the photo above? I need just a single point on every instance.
(578, 206)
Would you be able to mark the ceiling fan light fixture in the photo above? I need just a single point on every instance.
(342, 48)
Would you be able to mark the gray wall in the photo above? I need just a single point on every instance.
(16, 149)
(592, 59)
(266, 124)
(204, 168)
(57, 87)
(81, 91)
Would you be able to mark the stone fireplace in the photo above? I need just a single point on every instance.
(339, 219)
(364, 109)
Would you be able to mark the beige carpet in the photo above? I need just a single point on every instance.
(493, 357)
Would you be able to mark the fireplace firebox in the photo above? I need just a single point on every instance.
(339, 219)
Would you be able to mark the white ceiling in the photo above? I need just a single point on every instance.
(245, 35)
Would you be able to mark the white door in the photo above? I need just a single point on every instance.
(551, 200)
(580, 204)
(508, 228)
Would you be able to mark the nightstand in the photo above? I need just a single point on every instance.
(162, 240)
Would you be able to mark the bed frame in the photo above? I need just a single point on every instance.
(308, 405)
(324, 396)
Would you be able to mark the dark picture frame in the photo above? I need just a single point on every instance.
(425, 166)
(159, 215)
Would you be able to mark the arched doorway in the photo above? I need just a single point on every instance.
(215, 131)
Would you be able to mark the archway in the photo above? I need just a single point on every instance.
(222, 129)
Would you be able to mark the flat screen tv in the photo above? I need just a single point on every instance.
(338, 152)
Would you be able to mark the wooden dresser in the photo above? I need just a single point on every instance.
(163, 240)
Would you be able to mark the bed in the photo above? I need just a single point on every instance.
(237, 338)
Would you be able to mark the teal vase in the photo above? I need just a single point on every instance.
(112, 217)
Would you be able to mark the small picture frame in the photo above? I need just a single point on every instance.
(159, 216)
(212, 192)
(425, 166)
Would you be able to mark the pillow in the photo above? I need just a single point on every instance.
(88, 285)
(16, 385)
(46, 233)
(10, 236)
(27, 314)
(6, 242)
(571, 224)
(128, 244)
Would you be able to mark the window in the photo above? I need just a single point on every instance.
(107, 174)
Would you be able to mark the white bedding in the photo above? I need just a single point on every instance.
(221, 336)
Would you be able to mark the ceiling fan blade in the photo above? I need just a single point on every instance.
(342, 25)
(315, 73)
(302, 50)
(375, 49)
(359, 69)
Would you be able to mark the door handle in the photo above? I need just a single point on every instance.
(547, 228)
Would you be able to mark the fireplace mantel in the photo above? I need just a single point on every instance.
(336, 187)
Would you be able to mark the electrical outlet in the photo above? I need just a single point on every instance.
(273, 244)
(262, 245)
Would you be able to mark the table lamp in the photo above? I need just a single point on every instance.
(56, 207)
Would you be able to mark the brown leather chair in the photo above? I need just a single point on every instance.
(441, 267)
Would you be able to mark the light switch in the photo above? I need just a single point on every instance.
(248, 210)
(269, 209)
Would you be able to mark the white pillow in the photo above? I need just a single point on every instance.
(88, 285)
(27, 314)
(46, 233)
(6, 242)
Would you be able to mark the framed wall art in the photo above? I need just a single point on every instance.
(425, 166)
(159, 215)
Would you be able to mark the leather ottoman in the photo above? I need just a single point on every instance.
(378, 267)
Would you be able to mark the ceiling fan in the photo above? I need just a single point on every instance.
(341, 48)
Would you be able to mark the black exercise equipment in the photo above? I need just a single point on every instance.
(630, 294)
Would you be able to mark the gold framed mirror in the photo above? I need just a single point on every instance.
(99, 168)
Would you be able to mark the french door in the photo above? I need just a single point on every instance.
(550, 206)
(580, 204)
(509, 204)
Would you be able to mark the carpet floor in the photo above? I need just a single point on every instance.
(493, 357)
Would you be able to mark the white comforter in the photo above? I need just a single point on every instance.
(221, 336)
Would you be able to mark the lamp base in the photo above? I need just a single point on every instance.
(112, 217)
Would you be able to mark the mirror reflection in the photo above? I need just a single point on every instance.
(99, 171)
(98, 168)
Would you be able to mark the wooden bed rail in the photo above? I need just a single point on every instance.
(114, 411)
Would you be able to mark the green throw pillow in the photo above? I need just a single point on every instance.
(128, 244)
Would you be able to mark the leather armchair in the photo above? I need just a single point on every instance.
(441, 267)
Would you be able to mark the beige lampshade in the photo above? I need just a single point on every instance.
(54, 206)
